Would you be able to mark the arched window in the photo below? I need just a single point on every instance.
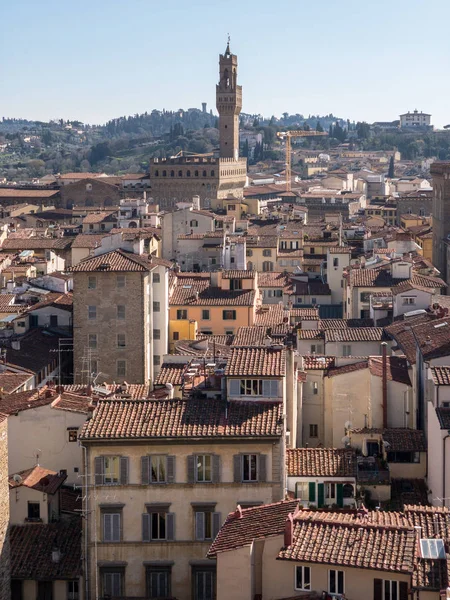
(347, 490)
(188, 173)
(212, 173)
(204, 173)
(132, 224)
(180, 173)
(89, 202)
(164, 173)
(196, 174)
(156, 173)
(108, 202)
(421, 212)
(249, 266)
(172, 173)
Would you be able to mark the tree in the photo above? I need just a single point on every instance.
(245, 149)
(391, 174)
(255, 122)
(36, 167)
(319, 127)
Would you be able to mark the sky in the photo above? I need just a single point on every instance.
(94, 60)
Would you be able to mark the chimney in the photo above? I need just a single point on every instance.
(238, 512)
(290, 408)
(384, 383)
(289, 530)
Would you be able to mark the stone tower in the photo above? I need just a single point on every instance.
(441, 217)
(229, 105)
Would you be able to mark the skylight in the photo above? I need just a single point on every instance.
(431, 548)
(440, 325)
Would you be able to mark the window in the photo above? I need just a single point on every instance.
(121, 341)
(267, 252)
(111, 526)
(120, 281)
(121, 311)
(111, 468)
(364, 296)
(249, 253)
(157, 334)
(346, 350)
(267, 266)
(176, 336)
(408, 301)
(156, 278)
(92, 282)
(205, 315)
(156, 306)
(73, 435)
(335, 262)
(158, 582)
(203, 468)
(312, 250)
(121, 368)
(194, 223)
(315, 388)
(207, 522)
(302, 490)
(388, 589)
(34, 511)
(432, 548)
(302, 578)
(403, 457)
(156, 360)
(231, 207)
(250, 467)
(16, 589)
(235, 284)
(44, 590)
(158, 469)
(330, 491)
(229, 315)
(181, 314)
(204, 581)
(158, 525)
(251, 387)
(92, 341)
(112, 582)
(313, 431)
(335, 581)
(92, 312)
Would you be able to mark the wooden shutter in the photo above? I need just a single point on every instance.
(266, 388)
(340, 495)
(191, 468)
(145, 470)
(99, 470)
(170, 469)
(170, 522)
(320, 495)
(403, 590)
(237, 468)
(199, 525)
(262, 470)
(215, 468)
(312, 491)
(377, 589)
(116, 527)
(216, 522)
(107, 527)
(146, 527)
(235, 387)
(124, 470)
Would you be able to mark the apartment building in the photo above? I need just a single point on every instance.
(120, 316)
(163, 475)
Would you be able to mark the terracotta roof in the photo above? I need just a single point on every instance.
(271, 315)
(14, 403)
(32, 546)
(355, 334)
(100, 217)
(399, 439)
(55, 300)
(37, 350)
(241, 528)
(402, 332)
(340, 250)
(10, 381)
(73, 403)
(71, 500)
(37, 243)
(344, 323)
(407, 286)
(86, 175)
(146, 419)
(211, 296)
(273, 279)
(236, 274)
(37, 478)
(116, 260)
(350, 368)
(86, 240)
(11, 192)
(170, 373)
(443, 414)
(310, 334)
(318, 362)
(433, 338)
(320, 462)
(262, 362)
(7, 304)
(396, 368)
(250, 336)
(307, 314)
(334, 539)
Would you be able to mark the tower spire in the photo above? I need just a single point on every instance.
(227, 51)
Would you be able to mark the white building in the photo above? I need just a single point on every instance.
(415, 119)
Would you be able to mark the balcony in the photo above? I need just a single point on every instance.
(372, 470)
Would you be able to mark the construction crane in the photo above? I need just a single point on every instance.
(287, 135)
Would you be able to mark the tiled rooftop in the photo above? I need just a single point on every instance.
(399, 439)
(10, 381)
(443, 414)
(250, 336)
(318, 362)
(116, 260)
(84, 240)
(170, 373)
(355, 334)
(238, 274)
(433, 338)
(37, 243)
(211, 296)
(321, 462)
(254, 523)
(262, 362)
(146, 419)
(37, 478)
(32, 546)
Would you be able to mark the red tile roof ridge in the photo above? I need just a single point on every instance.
(343, 519)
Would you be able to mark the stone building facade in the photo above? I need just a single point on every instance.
(440, 172)
(179, 178)
(5, 561)
(90, 192)
(420, 203)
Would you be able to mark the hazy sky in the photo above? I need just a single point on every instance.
(97, 59)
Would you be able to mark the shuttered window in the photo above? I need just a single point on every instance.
(204, 584)
(112, 526)
(248, 470)
(203, 468)
(158, 525)
(112, 582)
(111, 470)
(158, 582)
(157, 468)
(207, 524)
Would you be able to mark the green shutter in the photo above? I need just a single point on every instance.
(320, 495)
(340, 494)
(312, 491)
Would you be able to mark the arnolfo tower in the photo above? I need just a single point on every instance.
(212, 176)
(229, 105)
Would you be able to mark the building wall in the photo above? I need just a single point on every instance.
(334, 275)
(59, 590)
(313, 409)
(90, 192)
(420, 298)
(435, 474)
(134, 497)
(18, 504)
(180, 222)
(216, 324)
(5, 514)
(106, 297)
(41, 435)
(234, 574)
(441, 213)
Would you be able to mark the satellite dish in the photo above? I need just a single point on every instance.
(386, 444)
(348, 424)
(17, 478)
(345, 440)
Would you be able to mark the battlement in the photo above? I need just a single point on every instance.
(440, 168)
(223, 161)
(183, 160)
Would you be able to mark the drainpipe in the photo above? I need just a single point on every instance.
(444, 466)
(384, 384)
(86, 518)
